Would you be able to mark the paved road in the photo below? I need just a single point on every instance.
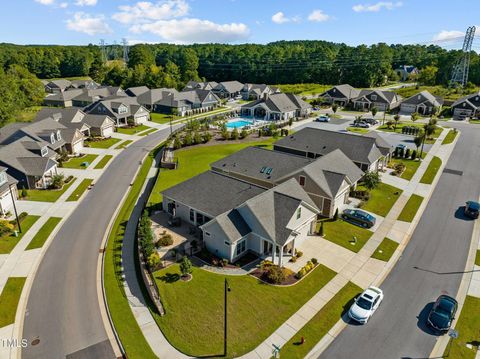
(432, 263)
(63, 310)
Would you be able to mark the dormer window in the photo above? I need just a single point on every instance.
(52, 138)
(301, 180)
(3, 178)
(299, 212)
(122, 109)
(476, 98)
(373, 97)
(419, 97)
(59, 137)
(44, 151)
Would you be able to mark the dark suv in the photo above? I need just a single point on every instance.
(471, 209)
(359, 217)
(442, 313)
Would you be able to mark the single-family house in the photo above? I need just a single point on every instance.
(340, 94)
(382, 100)
(423, 103)
(8, 192)
(313, 142)
(327, 179)
(83, 84)
(277, 107)
(257, 91)
(56, 86)
(228, 89)
(136, 91)
(123, 110)
(206, 85)
(71, 117)
(406, 72)
(466, 107)
(62, 98)
(90, 96)
(29, 162)
(100, 125)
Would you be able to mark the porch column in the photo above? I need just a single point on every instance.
(274, 249)
(293, 247)
(280, 257)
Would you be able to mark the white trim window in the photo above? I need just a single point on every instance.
(241, 247)
(44, 151)
(59, 137)
(52, 138)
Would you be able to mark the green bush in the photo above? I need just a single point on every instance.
(299, 254)
(165, 240)
(314, 261)
(275, 274)
(186, 266)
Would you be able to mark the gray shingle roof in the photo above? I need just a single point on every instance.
(313, 140)
(232, 224)
(251, 160)
(136, 91)
(281, 102)
(384, 147)
(230, 86)
(97, 121)
(422, 97)
(342, 91)
(212, 193)
(470, 99)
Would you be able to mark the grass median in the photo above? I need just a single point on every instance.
(43, 233)
(103, 162)
(104, 143)
(477, 258)
(82, 187)
(411, 208)
(193, 322)
(8, 242)
(450, 137)
(9, 300)
(80, 163)
(431, 171)
(132, 130)
(47, 195)
(321, 323)
(123, 145)
(385, 250)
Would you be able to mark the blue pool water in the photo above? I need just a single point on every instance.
(240, 123)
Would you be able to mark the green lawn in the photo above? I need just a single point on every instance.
(477, 258)
(103, 162)
(9, 300)
(47, 195)
(381, 199)
(195, 160)
(7, 243)
(468, 327)
(126, 326)
(105, 143)
(123, 144)
(321, 323)
(438, 90)
(43, 233)
(358, 130)
(145, 133)
(162, 118)
(132, 130)
(82, 187)
(450, 137)
(304, 89)
(76, 162)
(341, 232)
(410, 210)
(476, 122)
(431, 171)
(194, 309)
(411, 166)
(385, 250)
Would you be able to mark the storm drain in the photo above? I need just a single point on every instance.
(453, 172)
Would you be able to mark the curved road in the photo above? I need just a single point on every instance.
(433, 262)
(63, 311)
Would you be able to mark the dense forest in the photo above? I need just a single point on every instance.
(168, 65)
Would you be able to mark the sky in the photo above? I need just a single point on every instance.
(79, 22)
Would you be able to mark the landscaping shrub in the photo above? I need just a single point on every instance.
(185, 266)
(265, 264)
(301, 273)
(244, 134)
(187, 140)
(275, 274)
(58, 181)
(177, 144)
(293, 259)
(24, 193)
(153, 261)
(6, 228)
(307, 268)
(68, 179)
(22, 216)
(321, 231)
(399, 168)
(165, 240)
(299, 254)
(207, 136)
(335, 215)
(234, 135)
(314, 261)
(197, 138)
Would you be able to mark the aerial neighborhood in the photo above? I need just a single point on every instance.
(178, 180)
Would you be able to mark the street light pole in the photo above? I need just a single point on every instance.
(15, 208)
(227, 289)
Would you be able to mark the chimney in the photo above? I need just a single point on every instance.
(265, 96)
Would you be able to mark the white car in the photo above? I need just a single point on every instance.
(365, 305)
(323, 118)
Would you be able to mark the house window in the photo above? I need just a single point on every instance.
(122, 109)
(464, 104)
(52, 138)
(192, 215)
(373, 97)
(299, 212)
(302, 180)
(227, 243)
(44, 151)
(59, 138)
(241, 247)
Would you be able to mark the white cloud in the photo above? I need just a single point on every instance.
(86, 2)
(388, 5)
(189, 30)
(45, 2)
(88, 24)
(146, 11)
(280, 18)
(63, 5)
(446, 35)
(318, 16)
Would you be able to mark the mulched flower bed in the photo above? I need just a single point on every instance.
(262, 275)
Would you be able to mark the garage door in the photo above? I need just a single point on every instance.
(141, 119)
(408, 108)
(107, 132)
(78, 147)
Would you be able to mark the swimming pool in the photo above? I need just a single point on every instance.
(240, 123)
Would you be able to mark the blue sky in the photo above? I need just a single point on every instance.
(236, 21)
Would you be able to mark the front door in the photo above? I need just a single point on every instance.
(267, 247)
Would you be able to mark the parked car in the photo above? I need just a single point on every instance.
(365, 305)
(471, 209)
(359, 217)
(322, 118)
(361, 125)
(370, 121)
(442, 314)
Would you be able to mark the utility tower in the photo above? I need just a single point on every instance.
(460, 70)
(103, 48)
(125, 50)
